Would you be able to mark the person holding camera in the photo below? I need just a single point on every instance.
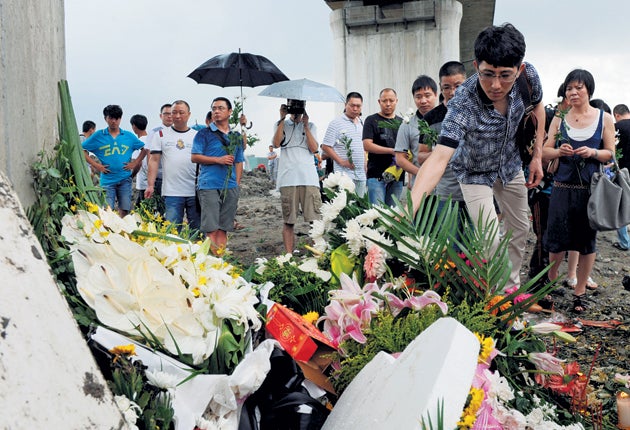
(297, 176)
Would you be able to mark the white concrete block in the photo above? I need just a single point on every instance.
(389, 393)
(48, 377)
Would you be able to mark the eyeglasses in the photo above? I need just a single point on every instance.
(504, 78)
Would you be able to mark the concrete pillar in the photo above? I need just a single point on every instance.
(32, 61)
(389, 46)
(48, 377)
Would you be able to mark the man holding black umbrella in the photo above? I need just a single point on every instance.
(297, 179)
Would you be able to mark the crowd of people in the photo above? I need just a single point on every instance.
(474, 162)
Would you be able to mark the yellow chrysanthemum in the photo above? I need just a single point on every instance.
(486, 347)
(311, 317)
(124, 349)
(469, 415)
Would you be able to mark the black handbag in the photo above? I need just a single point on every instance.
(526, 131)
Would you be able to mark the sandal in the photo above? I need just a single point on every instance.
(546, 302)
(578, 304)
(591, 285)
(619, 247)
(570, 282)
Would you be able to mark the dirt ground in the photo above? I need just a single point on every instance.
(261, 216)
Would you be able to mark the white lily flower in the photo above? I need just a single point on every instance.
(117, 309)
(281, 259)
(310, 265)
(115, 223)
(545, 328)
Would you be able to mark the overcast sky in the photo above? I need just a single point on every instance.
(138, 53)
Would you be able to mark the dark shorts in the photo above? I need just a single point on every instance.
(303, 199)
(217, 213)
(567, 223)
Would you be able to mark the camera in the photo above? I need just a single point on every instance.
(296, 107)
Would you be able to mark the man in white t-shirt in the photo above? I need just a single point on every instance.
(172, 146)
(297, 176)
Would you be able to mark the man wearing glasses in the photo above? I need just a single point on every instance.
(478, 139)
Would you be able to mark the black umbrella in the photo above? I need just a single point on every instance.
(237, 70)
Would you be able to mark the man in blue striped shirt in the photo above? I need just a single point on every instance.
(478, 139)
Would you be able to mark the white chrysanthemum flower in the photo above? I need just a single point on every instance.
(346, 183)
(318, 228)
(164, 380)
(331, 210)
(413, 248)
(374, 237)
(368, 217)
(332, 180)
(129, 409)
(352, 233)
(499, 387)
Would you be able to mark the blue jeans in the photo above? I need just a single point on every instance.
(380, 192)
(359, 187)
(120, 191)
(624, 239)
(175, 208)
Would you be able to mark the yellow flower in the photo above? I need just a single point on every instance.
(73, 208)
(469, 415)
(311, 317)
(196, 292)
(91, 207)
(202, 280)
(98, 223)
(202, 267)
(486, 348)
(124, 349)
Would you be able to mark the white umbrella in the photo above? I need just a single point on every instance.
(303, 89)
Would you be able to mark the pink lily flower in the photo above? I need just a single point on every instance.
(546, 362)
(429, 297)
